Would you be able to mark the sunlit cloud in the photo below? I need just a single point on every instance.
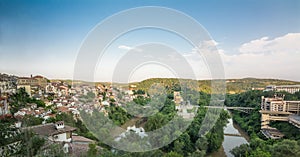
(265, 58)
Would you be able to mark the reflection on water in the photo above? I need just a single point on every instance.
(231, 141)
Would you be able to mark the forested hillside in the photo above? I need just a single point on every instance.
(232, 85)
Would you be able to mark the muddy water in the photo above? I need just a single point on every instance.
(231, 141)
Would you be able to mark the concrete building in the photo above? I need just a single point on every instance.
(286, 88)
(278, 104)
(277, 109)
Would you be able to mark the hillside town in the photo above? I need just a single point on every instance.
(50, 99)
(52, 110)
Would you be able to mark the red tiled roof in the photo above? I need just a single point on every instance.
(63, 109)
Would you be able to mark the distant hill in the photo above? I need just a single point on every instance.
(241, 85)
(232, 85)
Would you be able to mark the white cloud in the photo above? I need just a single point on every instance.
(266, 58)
(196, 58)
(262, 58)
(128, 48)
(287, 43)
(124, 47)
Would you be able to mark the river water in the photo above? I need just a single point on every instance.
(231, 141)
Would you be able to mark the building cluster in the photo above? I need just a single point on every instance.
(59, 97)
(8, 85)
(286, 88)
(277, 109)
(62, 97)
(33, 85)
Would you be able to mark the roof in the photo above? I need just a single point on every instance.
(63, 109)
(274, 112)
(49, 129)
(80, 139)
(288, 86)
(38, 76)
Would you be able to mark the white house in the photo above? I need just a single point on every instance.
(56, 132)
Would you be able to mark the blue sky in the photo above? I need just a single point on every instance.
(43, 37)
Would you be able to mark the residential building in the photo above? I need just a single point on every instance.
(56, 132)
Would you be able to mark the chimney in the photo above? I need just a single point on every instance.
(31, 76)
(18, 124)
(59, 125)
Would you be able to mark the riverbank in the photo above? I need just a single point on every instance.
(231, 141)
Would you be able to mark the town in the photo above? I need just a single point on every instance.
(52, 108)
(48, 100)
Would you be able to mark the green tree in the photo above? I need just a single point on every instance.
(287, 148)
(30, 120)
(18, 100)
(241, 151)
(30, 144)
(172, 154)
(260, 153)
(92, 152)
(155, 122)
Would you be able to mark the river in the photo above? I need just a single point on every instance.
(231, 141)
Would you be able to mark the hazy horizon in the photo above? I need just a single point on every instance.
(107, 81)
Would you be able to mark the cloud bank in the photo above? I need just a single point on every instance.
(266, 58)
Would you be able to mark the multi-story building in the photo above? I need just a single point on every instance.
(277, 109)
(32, 84)
(278, 104)
(287, 88)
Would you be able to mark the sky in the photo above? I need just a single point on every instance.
(255, 38)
